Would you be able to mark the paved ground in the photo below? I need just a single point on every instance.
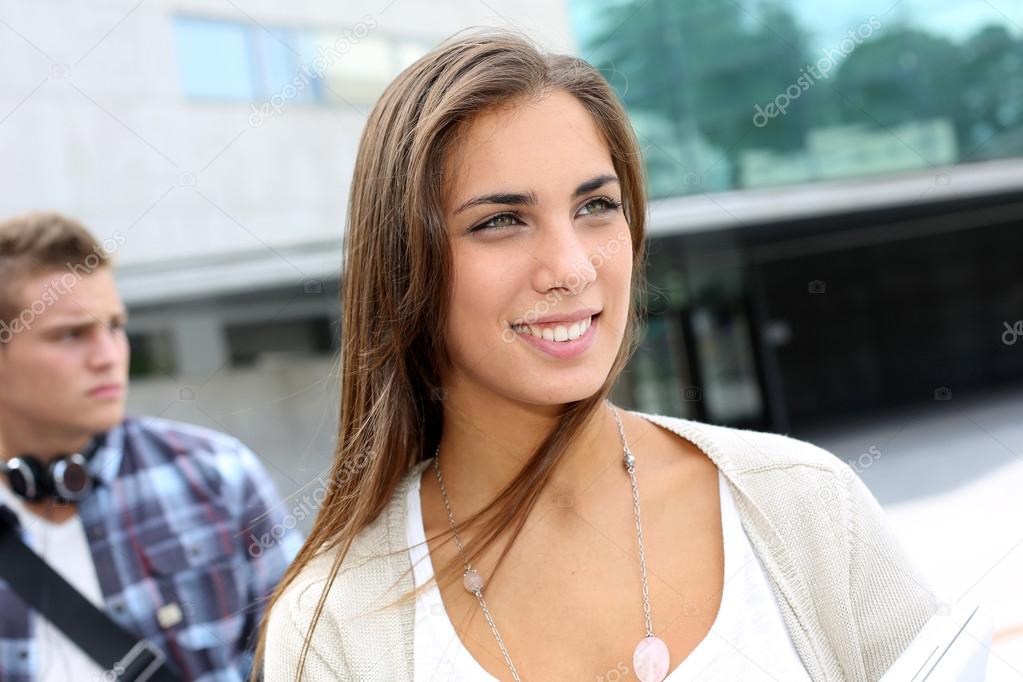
(950, 476)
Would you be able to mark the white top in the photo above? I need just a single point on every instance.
(66, 549)
(747, 641)
(839, 633)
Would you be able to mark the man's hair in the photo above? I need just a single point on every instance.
(36, 243)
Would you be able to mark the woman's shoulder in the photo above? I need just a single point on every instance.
(740, 450)
(787, 481)
(301, 598)
(302, 594)
(338, 646)
(824, 538)
(762, 463)
(290, 620)
(358, 581)
(355, 601)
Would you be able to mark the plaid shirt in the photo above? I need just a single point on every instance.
(179, 514)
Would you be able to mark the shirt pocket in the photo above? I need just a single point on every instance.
(200, 589)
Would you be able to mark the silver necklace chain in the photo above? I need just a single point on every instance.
(473, 582)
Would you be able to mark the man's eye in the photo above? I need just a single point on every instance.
(498, 221)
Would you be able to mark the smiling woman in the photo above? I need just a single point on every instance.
(491, 291)
(529, 252)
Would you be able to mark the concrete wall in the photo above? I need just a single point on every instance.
(285, 412)
(94, 122)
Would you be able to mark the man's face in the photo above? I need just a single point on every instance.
(65, 370)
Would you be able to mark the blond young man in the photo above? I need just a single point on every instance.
(146, 518)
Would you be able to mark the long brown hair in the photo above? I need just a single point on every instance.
(396, 280)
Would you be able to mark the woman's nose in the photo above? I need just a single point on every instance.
(565, 260)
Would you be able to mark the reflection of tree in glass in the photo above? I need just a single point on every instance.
(992, 95)
(908, 75)
(691, 73)
(701, 65)
(899, 76)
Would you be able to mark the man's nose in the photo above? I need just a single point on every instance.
(106, 348)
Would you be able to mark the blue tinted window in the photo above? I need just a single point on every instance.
(215, 58)
(311, 68)
(281, 63)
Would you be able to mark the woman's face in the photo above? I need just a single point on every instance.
(533, 210)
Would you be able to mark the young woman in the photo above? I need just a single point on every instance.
(492, 279)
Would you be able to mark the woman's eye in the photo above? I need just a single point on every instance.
(599, 205)
(498, 221)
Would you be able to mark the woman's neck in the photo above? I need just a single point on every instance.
(485, 445)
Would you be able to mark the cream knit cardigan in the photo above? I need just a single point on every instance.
(851, 599)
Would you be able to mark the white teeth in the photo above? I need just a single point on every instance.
(558, 332)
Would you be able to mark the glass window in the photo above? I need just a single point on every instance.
(280, 62)
(215, 58)
(152, 354)
(357, 70)
(312, 66)
(742, 95)
(653, 381)
(251, 343)
(222, 59)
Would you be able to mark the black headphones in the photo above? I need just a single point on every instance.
(65, 478)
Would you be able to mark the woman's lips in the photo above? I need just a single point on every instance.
(564, 349)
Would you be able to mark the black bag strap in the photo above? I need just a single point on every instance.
(125, 657)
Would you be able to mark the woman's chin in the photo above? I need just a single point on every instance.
(545, 392)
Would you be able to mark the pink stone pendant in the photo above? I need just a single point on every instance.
(472, 581)
(650, 660)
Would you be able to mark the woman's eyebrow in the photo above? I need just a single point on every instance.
(512, 198)
(595, 183)
(527, 198)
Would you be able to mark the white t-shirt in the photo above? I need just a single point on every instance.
(747, 641)
(66, 549)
